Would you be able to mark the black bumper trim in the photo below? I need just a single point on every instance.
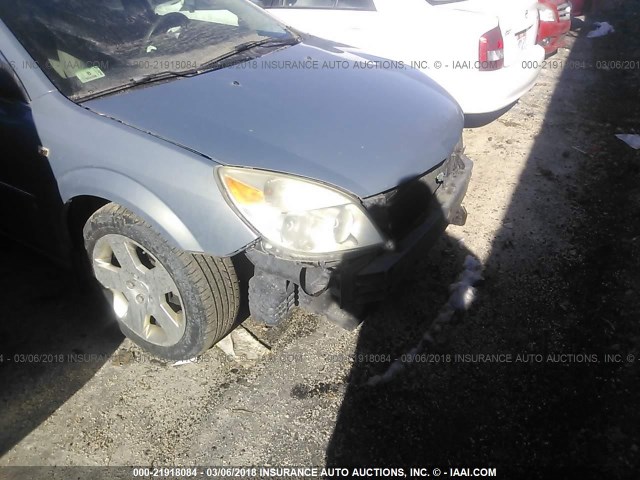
(371, 276)
(372, 281)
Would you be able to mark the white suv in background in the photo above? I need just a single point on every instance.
(483, 52)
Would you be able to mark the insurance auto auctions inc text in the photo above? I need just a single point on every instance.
(373, 472)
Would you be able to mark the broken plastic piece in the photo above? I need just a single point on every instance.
(631, 139)
(602, 29)
(185, 362)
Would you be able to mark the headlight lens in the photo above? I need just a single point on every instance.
(299, 216)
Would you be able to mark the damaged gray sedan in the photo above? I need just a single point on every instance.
(169, 142)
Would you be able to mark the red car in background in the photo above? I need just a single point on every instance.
(555, 22)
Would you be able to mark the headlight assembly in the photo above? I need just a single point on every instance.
(301, 217)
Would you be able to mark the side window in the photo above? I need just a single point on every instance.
(304, 3)
(356, 5)
(10, 86)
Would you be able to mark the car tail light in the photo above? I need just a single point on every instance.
(547, 13)
(491, 50)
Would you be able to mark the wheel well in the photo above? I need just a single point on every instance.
(78, 211)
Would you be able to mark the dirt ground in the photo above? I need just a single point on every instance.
(554, 217)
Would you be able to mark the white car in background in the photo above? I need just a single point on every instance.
(483, 52)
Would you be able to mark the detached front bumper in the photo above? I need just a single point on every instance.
(339, 290)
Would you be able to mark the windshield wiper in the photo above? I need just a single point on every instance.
(244, 47)
(214, 64)
(134, 82)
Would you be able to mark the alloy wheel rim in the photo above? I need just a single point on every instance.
(144, 296)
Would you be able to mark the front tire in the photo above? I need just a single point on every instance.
(172, 303)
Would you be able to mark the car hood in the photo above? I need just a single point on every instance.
(337, 120)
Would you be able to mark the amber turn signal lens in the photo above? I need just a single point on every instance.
(243, 193)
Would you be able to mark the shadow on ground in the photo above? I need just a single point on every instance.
(54, 336)
(539, 298)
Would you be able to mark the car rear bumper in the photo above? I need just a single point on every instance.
(340, 290)
(480, 92)
(551, 35)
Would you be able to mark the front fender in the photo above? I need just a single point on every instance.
(125, 191)
(169, 186)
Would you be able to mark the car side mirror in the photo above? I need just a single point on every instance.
(10, 86)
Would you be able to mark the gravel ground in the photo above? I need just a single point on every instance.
(553, 217)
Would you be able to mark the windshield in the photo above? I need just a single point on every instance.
(91, 46)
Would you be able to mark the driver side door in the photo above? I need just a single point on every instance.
(30, 205)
